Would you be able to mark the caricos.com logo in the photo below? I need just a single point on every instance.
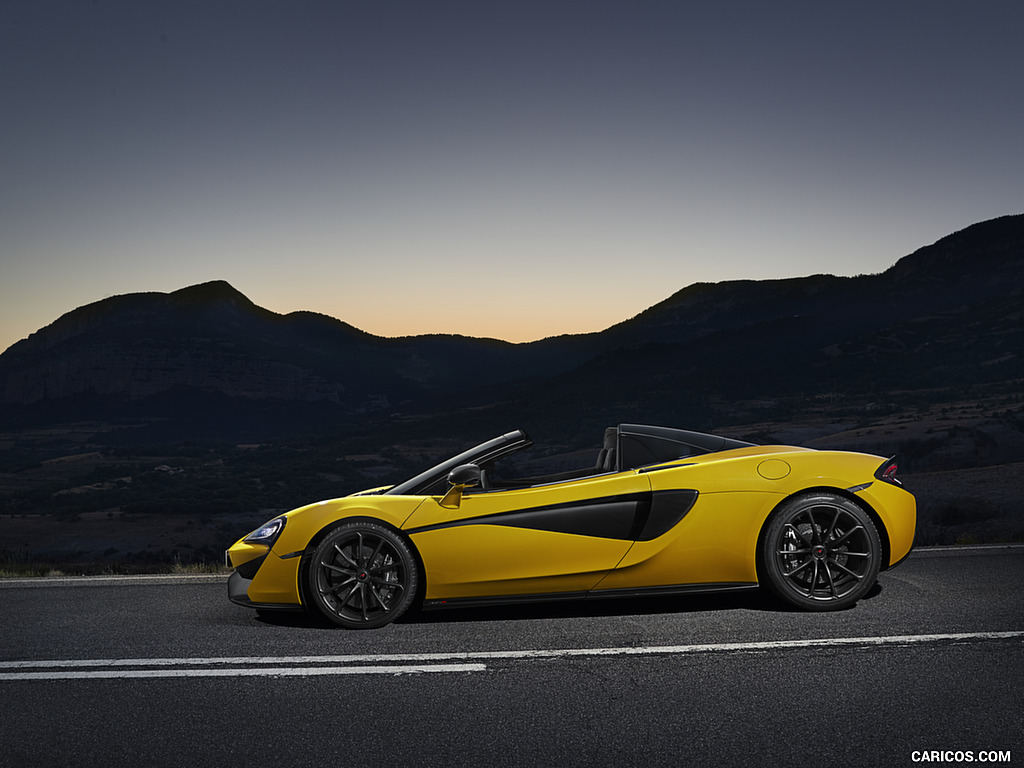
(960, 756)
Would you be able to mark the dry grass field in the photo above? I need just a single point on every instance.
(69, 501)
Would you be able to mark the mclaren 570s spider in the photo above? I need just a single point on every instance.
(656, 511)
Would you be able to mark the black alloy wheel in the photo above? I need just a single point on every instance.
(820, 552)
(362, 576)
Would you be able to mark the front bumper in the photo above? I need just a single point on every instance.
(261, 578)
(238, 593)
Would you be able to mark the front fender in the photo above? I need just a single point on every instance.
(276, 582)
(306, 522)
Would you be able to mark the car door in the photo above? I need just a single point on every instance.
(556, 538)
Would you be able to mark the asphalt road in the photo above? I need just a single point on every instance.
(164, 671)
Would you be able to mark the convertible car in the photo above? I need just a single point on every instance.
(657, 511)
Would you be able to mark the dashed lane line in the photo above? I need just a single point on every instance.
(417, 663)
(179, 672)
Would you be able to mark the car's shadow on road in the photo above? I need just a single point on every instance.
(747, 600)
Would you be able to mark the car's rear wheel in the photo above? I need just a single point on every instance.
(820, 552)
(362, 576)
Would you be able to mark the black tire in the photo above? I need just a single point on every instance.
(362, 576)
(820, 552)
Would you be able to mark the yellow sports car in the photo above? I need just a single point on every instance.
(657, 511)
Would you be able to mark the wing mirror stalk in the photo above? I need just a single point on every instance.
(462, 477)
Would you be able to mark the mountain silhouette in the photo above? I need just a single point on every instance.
(948, 314)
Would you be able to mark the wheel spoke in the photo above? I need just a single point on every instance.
(377, 597)
(831, 583)
(348, 596)
(338, 569)
(368, 592)
(334, 590)
(815, 529)
(345, 556)
(373, 557)
(793, 552)
(832, 528)
(847, 535)
(814, 579)
(360, 560)
(799, 568)
(385, 583)
(843, 568)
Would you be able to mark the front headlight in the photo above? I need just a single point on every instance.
(267, 533)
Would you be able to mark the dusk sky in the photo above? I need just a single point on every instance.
(505, 169)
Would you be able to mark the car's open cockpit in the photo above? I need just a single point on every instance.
(628, 446)
(625, 447)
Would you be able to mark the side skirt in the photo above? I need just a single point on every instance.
(676, 589)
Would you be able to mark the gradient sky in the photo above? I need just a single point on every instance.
(507, 169)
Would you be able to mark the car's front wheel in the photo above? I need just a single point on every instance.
(820, 552)
(362, 576)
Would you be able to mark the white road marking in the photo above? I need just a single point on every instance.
(149, 579)
(111, 674)
(414, 663)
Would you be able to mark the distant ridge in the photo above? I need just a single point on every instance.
(132, 307)
(978, 262)
(949, 314)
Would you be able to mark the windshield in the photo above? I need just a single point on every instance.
(435, 479)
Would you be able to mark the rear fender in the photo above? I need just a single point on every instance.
(883, 533)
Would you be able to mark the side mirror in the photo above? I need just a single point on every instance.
(463, 476)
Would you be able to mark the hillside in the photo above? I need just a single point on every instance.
(948, 314)
(190, 414)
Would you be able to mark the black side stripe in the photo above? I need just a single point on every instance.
(629, 517)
